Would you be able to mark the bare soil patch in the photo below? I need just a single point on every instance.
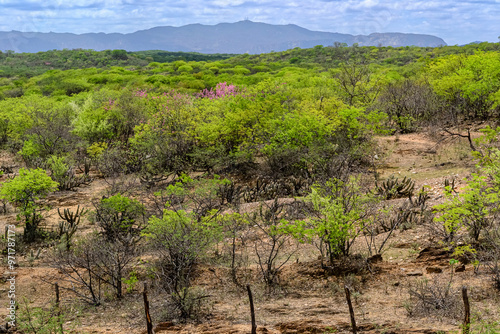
(310, 299)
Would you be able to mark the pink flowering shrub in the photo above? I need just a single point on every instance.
(222, 89)
(109, 104)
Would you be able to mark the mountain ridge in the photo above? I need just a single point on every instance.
(239, 37)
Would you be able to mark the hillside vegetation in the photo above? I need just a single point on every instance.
(204, 174)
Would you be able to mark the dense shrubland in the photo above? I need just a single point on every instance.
(184, 144)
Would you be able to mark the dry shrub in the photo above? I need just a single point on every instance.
(192, 304)
(489, 256)
(355, 264)
(434, 298)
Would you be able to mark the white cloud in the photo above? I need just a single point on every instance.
(228, 3)
(455, 21)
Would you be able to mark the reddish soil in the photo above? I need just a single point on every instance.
(310, 300)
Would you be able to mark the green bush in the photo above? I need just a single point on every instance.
(341, 211)
(182, 241)
(92, 122)
(472, 210)
(119, 216)
(185, 69)
(25, 191)
(37, 320)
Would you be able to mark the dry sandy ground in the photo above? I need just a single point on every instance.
(311, 300)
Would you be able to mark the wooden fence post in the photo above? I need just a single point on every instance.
(466, 326)
(58, 308)
(146, 309)
(351, 310)
(252, 310)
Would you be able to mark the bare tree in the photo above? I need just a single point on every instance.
(273, 247)
(79, 272)
(95, 263)
(409, 104)
(356, 82)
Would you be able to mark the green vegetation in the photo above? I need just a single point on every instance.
(31, 64)
(25, 191)
(342, 211)
(168, 56)
(184, 141)
(118, 216)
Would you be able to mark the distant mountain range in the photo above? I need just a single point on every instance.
(240, 37)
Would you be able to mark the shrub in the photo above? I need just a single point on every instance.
(119, 54)
(236, 232)
(181, 240)
(163, 144)
(190, 303)
(341, 211)
(409, 104)
(434, 298)
(49, 131)
(185, 68)
(201, 196)
(116, 160)
(93, 263)
(73, 87)
(276, 245)
(25, 191)
(39, 320)
(221, 90)
(471, 210)
(30, 153)
(64, 174)
(119, 216)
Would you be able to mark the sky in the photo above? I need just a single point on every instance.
(457, 22)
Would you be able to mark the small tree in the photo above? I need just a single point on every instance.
(119, 54)
(181, 240)
(25, 191)
(77, 267)
(119, 216)
(40, 320)
(409, 103)
(202, 196)
(276, 245)
(472, 209)
(356, 84)
(114, 260)
(341, 211)
(236, 231)
(95, 262)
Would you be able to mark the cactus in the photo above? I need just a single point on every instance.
(150, 179)
(33, 256)
(421, 199)
(72, 218)
(71, 181)
(86, 166)
(393, 188)
(69, 225)
(450, 186)
(230, 193)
